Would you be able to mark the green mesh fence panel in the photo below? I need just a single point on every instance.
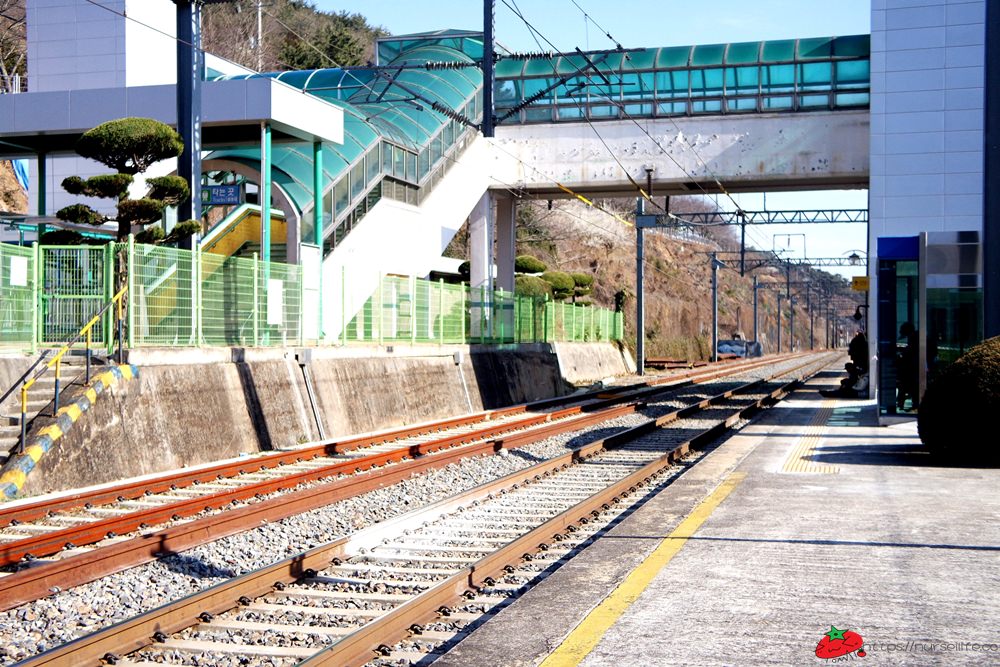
(184, 298)
(231, 293)
(411, 310)
(17, 296)
(189, 298)
(74, 286)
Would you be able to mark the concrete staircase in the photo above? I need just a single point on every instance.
(40, 399)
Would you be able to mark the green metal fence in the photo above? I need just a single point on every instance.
(184, 297)
(410, 310)
(179, 298)
(18, 313)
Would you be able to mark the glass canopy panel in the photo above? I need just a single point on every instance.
(708, 54)
(638, 60)
(538, 67)
(673, 56)
(570, 64)
(672, 84)
(613, 63)
(815, 76)
(778, 78)
(706, 82)
(743, 80)
(779, 51)
(853, 73)
(817, 47)
(743, 52)
(852, 46)
(506, 93)
(509, 67)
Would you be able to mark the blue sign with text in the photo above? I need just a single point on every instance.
(221, 195)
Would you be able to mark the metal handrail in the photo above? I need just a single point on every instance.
(86, 331)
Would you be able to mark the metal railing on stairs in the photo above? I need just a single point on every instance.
(37, 370)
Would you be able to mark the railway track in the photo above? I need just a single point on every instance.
(398, 589)
(266, 488)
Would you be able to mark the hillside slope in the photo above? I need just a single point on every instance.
(570, 236)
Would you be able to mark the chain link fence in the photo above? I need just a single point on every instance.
(411, 310)
(189, 298)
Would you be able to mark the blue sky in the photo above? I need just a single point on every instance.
(644, 23)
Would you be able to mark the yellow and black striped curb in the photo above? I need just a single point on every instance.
(17, 468)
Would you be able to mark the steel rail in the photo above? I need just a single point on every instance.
(108, 644)
(50, 542)
(164, 483)
(38, 581)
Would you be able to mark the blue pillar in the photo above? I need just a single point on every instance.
(318, 224)
(190, 66)
(265, 197)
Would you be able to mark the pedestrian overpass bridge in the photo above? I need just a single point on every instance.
(787, 114)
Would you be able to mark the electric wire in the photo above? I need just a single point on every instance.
(536, 35)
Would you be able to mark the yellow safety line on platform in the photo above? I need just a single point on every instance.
(592, 629)
(799, 459)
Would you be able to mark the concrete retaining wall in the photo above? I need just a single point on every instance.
(12, 365)
(581, 363)
(189, 407)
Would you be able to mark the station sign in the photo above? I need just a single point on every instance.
(860, 283)
(221, 195)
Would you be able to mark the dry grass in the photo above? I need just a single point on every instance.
(573, 237)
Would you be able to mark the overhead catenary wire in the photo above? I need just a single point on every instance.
(569, 191)
(536, 35)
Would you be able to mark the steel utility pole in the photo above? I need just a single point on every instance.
(716, 265)
(640, 316)
(779, 322)
(190, 69)
(809, 305)
(756, 288)
(489, 24)
(791, 325)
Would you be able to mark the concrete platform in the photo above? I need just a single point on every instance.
(829, 520)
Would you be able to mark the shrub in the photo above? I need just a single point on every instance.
(184, 229)
(130, 145)
(581, 285)
(528, 264)
(150, 235)
(62, 237)
(531, 286)
(80, 214)
(139, 211)
(956, 411)
(171, 190)
(562, 283)
(107, 186)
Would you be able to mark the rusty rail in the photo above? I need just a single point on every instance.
(359, 647)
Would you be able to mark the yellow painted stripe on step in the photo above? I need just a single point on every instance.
(107, 378)
(72, 410)
(34, 452)
(592, 629)
(52, 430)
(15, 477)
(91, 396)
(126, 371)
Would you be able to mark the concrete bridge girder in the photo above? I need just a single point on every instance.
(752, 152)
